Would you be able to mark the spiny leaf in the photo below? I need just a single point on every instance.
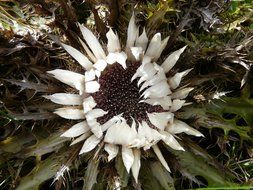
(238, 106)
(38, 87)
(197, 165)
(210, 116)
(91, 174)
(156, 14)
(52, 143)
(16, 143)
(148, 180)
(43, 171)
(124, 176)
(162, 175)
(32, 116)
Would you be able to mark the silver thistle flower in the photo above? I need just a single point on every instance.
(127, 101)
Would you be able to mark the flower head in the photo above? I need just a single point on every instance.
(125, 98)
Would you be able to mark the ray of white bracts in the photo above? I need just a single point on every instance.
(65, 99)
(89, 82)
(154, 86)
(153, 83)
(118, 133)
(70, 78)
(181, 127)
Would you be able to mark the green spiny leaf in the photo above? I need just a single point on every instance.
(91, 174)
(124, 177)
(148, 178)
(162, 176)
(43, 171)
(199, 165)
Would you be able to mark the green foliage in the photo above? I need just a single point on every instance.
(43, 171)
(121, 170)
(91, 174)
(153, 176)
(214, 115)
(160, 174)
(219, 39)
(199, 163)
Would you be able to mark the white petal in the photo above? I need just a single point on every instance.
(146, 60)
(127, 157)
(90, 75)
(88, 104)
(92, 42)
(154, 46)
(97, 131)
(176, 79)
(95, 127)
(92, 86)
(76, 130)
(133, 126)
(97, 73)
(113, 121)
(158, 90)
(91, 118)
(81, 138)
(95, 113)
(140, 140)
(132, 32)
(176, 105)
(120, 133)
(112, 150)
(70, 78)
(160, 120)
(119, 57)
(89, 53)
(172, 59)
(181, 127)
(145, 130)
(136, 164)
(171, 141)
(70, 113)
(65, 99)
(113, 44)
(145, 71)
(100, 65)
(90, 144)
(165, 102)
(111, 58)
(78, 56)
(181, 94)
(146, 68)
(137, 52)
(142, 41)
(161, 48)
(158, 77)
(160, 157)
(138, 143)
(146, 137)
(152, 136)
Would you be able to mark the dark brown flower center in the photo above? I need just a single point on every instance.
(117, 94)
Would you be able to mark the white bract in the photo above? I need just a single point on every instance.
(127, 131)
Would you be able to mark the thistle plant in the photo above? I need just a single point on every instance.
(126, 100)
(125, 95)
